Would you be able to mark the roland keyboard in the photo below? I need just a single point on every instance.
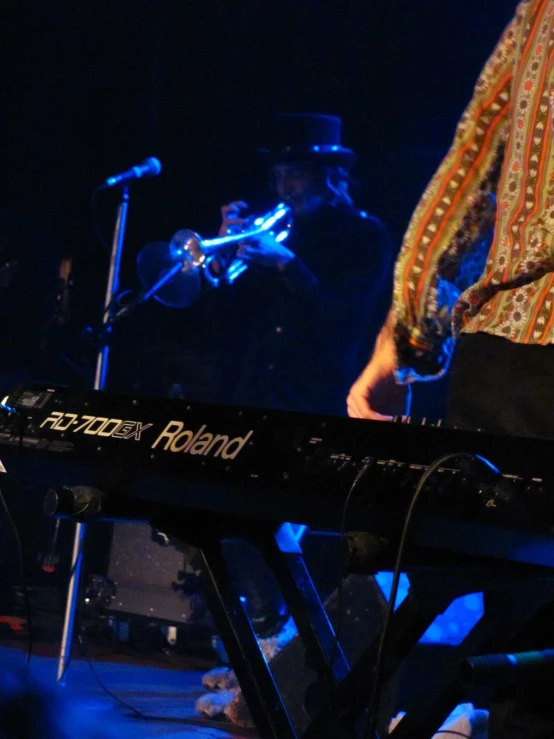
(279, 466)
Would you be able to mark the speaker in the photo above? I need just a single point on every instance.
(148, 576)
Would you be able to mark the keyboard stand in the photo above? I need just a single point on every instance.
(512, 595)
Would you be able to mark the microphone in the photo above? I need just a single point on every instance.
(505, 668)
(151, 167)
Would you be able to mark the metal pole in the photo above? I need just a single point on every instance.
(112, 287)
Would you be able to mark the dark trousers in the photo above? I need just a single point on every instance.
(503, 387)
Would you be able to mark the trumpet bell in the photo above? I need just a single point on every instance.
(171, 271)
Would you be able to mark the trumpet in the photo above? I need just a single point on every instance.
(173, 273)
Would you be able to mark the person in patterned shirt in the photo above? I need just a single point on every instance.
(499, 173)
(495, 187)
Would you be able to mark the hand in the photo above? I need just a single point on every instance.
(264, 250)
(375, 394)
(230, 216)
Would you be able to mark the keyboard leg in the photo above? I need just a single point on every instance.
(254, 676)
(424, 602)
(307, 610)
(506, 610)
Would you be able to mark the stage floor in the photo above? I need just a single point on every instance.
(164, 696)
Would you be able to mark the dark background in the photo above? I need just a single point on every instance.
(91, 88)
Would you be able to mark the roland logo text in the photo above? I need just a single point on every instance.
(176, 438)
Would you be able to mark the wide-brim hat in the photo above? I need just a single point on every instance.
(296, 137)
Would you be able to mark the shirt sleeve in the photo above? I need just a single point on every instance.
(455, 214)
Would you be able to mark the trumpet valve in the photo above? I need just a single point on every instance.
(187, 244)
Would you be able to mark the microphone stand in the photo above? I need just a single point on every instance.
(112, 288)
(147, 294)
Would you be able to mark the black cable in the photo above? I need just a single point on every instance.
(23, 578)
(371, 731)
(139, 714)
(359, 475)
(85, 651)
(19, 544)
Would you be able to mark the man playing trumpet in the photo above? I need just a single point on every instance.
(299, 316)
(306, 304)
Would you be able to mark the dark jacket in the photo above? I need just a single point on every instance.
(298, 338)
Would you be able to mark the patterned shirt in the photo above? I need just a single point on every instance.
(493, 192)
